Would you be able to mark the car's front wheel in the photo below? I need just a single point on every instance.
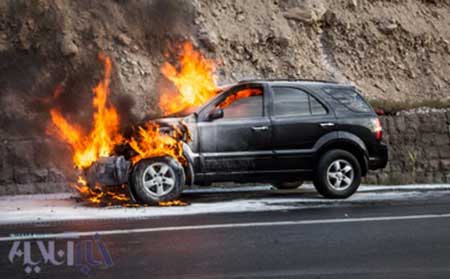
(157, 179)
(338, 174)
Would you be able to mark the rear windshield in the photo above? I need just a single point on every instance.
(349, 98)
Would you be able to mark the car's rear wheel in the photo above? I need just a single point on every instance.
(288, 185)
(157, 179)
(338, 174)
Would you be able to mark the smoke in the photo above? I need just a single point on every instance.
(30, 86)
(21, 84)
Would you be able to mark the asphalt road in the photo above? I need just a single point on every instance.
(373, 240)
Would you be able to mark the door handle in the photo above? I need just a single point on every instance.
(327, 124)
(260, 128)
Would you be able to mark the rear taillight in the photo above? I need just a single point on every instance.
(378, 129)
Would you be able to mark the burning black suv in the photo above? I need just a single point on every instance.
(270, 131)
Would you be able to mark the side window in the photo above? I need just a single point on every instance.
(349, 98)
(288, 101)
(316, 107)
(245, 103)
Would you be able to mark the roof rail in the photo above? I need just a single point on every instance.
(291, 80)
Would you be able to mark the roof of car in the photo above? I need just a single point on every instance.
(304, 82)
(313, 84)
(288, 81)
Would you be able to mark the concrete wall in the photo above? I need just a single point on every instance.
(419, 153)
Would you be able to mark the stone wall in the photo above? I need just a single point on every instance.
(32, 166)
(419, 145)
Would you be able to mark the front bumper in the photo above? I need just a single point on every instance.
(108, 171)
(379, 158)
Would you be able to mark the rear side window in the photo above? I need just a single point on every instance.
(316, 107)
(349, 98)
(288, 101)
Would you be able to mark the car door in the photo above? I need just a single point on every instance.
(240, 141)
(299, 120)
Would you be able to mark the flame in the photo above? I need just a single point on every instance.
(81, 185)
(173, 203)
(153, 142)
(89, 146)
(195, 81)
(100, 141)
(99, 197)
(245, 93)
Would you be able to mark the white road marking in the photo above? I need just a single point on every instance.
(222, 226)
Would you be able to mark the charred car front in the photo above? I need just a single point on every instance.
(270, 131)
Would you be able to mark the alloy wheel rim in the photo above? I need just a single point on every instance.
(340, 175)
(158, 179)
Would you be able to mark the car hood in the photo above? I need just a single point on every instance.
(169, 120)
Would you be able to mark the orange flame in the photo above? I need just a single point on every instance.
(100, 141)
(153, 142)
(245, 93)
(97, 196)
(195, 81)
(173, 203)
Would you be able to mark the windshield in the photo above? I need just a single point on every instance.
(193, 109)
(183, 113)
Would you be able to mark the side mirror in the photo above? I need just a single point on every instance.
(216, 113)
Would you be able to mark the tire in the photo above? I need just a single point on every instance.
(157, 180)
(338, 174)
(288, 185)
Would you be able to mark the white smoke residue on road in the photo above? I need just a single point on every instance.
(60, 207)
